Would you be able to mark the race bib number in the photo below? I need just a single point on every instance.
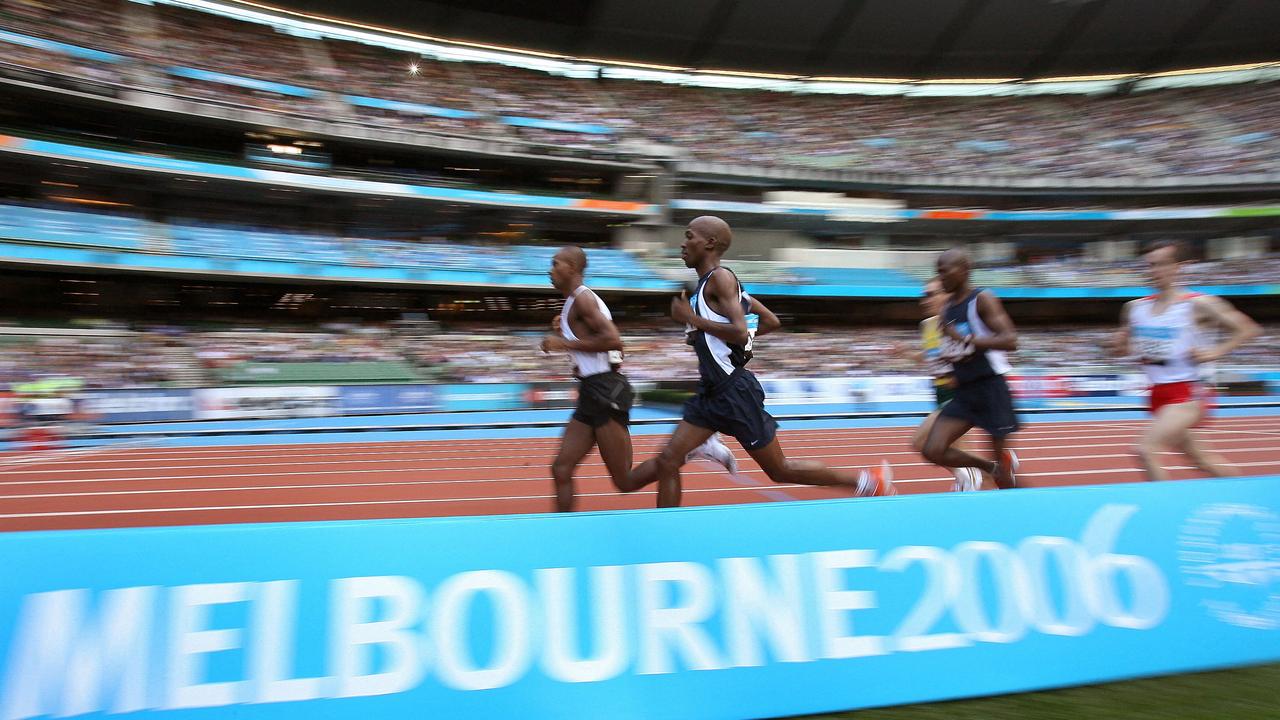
(1154, 344)
(753, 324)
(953, 349)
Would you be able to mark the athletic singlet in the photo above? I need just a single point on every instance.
(973, 364)
(931, 342)
(1164, 341)
(588, 363)
(717, 359)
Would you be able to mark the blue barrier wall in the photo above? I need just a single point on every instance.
(717, 612)
(845, 394)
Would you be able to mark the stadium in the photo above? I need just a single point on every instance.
(282, 427)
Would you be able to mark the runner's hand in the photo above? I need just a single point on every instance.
(1205, 355)
(681, 310)
(553, 343)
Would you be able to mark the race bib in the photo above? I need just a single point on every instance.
(953, 349)
(753, 324)
(1155, 344)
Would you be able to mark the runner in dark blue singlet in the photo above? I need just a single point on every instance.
(729, 398)
(977, 332)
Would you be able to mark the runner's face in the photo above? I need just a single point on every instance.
(561, 271)
(694, 247)
(1162, 266)
(933, 298)
(952, 273)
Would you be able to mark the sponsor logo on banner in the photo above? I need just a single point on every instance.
(112, 406)
(899, 389)
(810, 390)
(266, 402)
(1232, 553)
(482, 396)
(1038, 386)
(547, 395)
(1105, 385)
(847, 389)
(386, 399)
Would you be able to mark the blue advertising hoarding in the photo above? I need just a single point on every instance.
(712, 612)
(483, 396)
(125, 406)
(386, 399)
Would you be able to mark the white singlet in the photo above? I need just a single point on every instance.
(1164, 341)
(588, 363)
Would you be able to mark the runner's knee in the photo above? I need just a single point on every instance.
(561, 472)
(1146, 449)
(935, 448)
(667, 461)
(918, 438)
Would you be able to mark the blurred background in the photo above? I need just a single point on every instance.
(204, 195)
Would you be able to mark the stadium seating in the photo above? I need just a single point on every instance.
(60, 227)
(1182, 132)
(184, 237)
(855, 276)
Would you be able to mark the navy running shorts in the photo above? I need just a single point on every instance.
(985, 403)
(736, 408)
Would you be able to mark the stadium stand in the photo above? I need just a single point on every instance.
(190, 357)
(67, 227)
(1182, 132)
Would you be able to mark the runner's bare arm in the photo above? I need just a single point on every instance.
(1120, 345)
(768, 321)
(601, 334)
(720, 292)
(1216, 311)
(1004, 336)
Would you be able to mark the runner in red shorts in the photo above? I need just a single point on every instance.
(1170, 334)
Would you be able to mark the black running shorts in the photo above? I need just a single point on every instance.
(985, 403)
(604, 397)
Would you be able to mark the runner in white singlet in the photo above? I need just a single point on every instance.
(602, 417)
(1167, 332)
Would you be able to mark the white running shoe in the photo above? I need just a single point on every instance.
(967, 480)
(714, 450)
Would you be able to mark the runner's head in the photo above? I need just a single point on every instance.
(933, 298)
(567, 267)
(1164, 258)
(953, 269)
(705, 236)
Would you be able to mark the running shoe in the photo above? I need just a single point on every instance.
(1008, 466)
(877, 481)
(714, 450)
(967, 480)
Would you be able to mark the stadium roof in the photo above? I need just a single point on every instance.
(910, 39)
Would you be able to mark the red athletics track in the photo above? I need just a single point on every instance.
(273, 483)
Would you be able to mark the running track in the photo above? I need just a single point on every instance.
(116, 487)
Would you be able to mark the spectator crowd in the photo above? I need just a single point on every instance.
(1183, 132)
(170, 357)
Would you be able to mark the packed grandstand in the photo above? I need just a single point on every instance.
(1184, 132)
(89, 190)
(183, 357)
